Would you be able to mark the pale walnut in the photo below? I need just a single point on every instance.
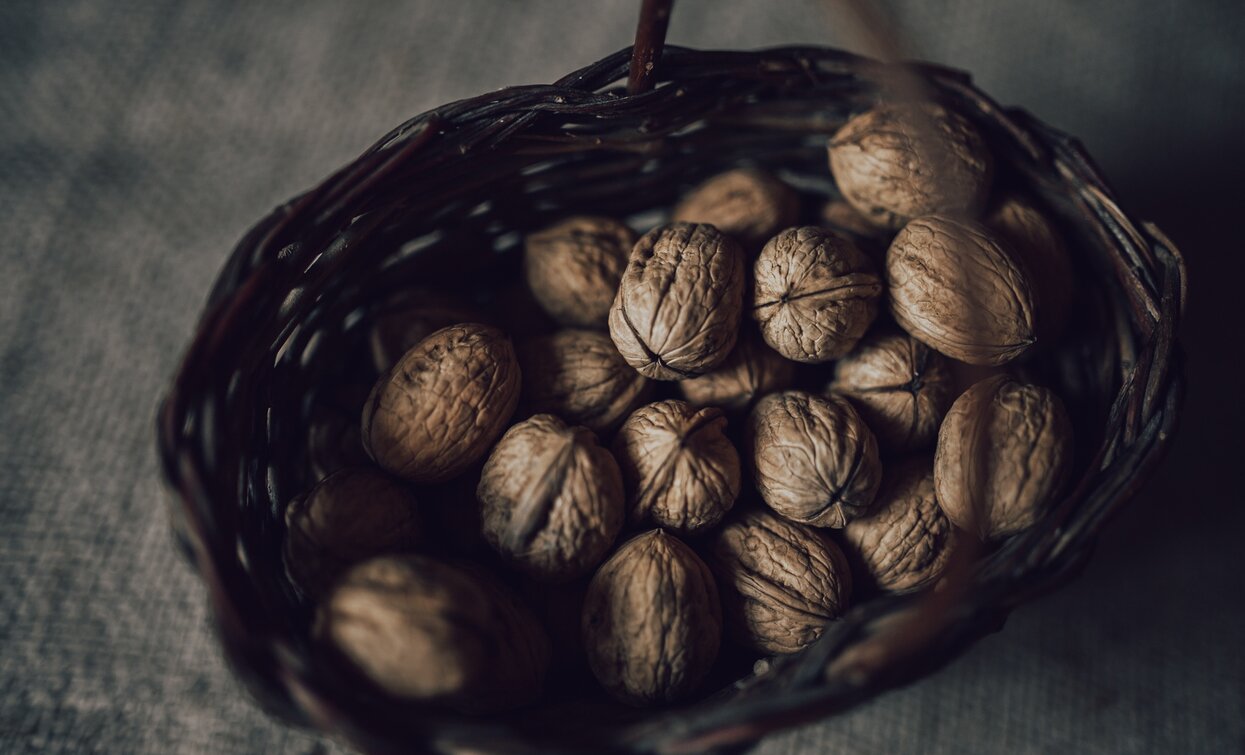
(814, 294)
(677, 311)
(814, 460)
(443, 404)
(1035, 241)
(579, 376)
(350, 516)
(955, 288)
(751, 370)
(551, 498)
(398, 331)
(780, 582)
(573, 268)
(901, 387)
(652, 623)
(904, 542)
(749, 205)
(679, 469)
(1004, 452)
(900, 161)
(423, 630)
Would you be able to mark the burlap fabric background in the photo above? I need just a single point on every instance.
(138, 140)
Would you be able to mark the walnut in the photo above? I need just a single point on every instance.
(396, 332)
(679, 469)
(955, 288)
(573, 268)
(749, 205)
(1004, 451)
(900, 386)
(780, 582)
(1035, 242)
(750, 371)
(442, 404)
(420, 629)
(814, 460)
(334, 442)
(552, 498)
(348, 517)
(677, 310)
(905, 540)
(841, 217)
(652, 623)
(580, 376)
(815, 294)
(899, 161)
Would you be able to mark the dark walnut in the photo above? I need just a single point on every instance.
(901, 387)
(396, 332)
(1004, 452)
(679, 469)
(350, 516)
(780, 582)
(1035, 241)
(905, 539)
(652, 623)
(751, 370)
(579, 376)
(841, 217)
(955, 288)
(443, 404)
(814, 460)
(814, 294)
(334, 442)
(551, 498)
(423, 630)
(900, 161)
(749, 205)
(677, 310)
(573, 268)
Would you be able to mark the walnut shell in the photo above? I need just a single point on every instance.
(750, 371)
(1035, 241)
(1004, 452)
(652, 623)
(905, 540)
(749, 205)
(334, 442)
(579, 376)
(678, 305)
(780, 582)
(443, 404)
(900, 161)
(552, 499)
(814, 460)
(420, 629)
(814, 294)
(679, 469)
(573, 268)
(841, 217)
(901, 387)
(350, 516)
(956, 289)
(397, 332)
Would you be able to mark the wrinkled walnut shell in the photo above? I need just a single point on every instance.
(905, 539)
(900, 161)
(1035, 241)
(751, 370)
(814, 294)
(814, 460)
(901, 387)
(443, 404)
(397, 332)
(652, 623)
(679, 469)
(749, 205)
(579, 376)
(552, 499)
(420, 629)
(573, 268)
(956, 289)
(1004, 452)
(678, 305)
(780, 582)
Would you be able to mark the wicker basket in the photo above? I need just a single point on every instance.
(444, 200)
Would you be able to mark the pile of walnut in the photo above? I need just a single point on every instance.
(642, 530)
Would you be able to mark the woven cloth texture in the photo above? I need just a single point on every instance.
(139, 140)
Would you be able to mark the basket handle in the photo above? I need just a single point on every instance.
(650, 38)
